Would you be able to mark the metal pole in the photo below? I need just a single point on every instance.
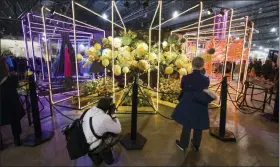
(47, 54)
(113, 56)
(42, 63)
(159, 45)
(25, 41)
(228, 39)
(75, 49)
(198, 27)
(241, 63)
(32, 46)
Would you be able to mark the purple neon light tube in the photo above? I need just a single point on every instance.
(57, 28)
(69, 23)
(32, 45)
(78, 32)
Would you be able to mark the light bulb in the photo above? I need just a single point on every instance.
(175, 14)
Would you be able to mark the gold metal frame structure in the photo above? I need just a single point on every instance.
(230, 29)
(159, 7)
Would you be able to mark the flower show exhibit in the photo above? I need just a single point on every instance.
(132, 55)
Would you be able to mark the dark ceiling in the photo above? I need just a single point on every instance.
(264, 13)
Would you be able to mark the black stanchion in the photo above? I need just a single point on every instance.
(39, 136)
(221, 132)
(134, 140)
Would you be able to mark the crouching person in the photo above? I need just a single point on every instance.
(101, 129)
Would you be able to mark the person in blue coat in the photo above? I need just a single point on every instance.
(192, 110)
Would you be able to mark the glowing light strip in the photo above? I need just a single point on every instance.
(32, 45)
(99, 14)
(78, 25)
(25, 41)
(42, 65)
(249, 50)
(113, 56)
(198, 28)
(159, 42)
(177, 16)
(75, 50)
(228, 40)
(212, 30)
(208, 25)
(150, 42)
(178, 30)
(47, 54)
(119, 16)
(96, 28)
(40, 28)
(241, 63)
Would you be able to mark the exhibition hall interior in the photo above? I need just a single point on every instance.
(139, 82)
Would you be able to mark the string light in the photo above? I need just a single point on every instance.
(104, 16)
(175, 14)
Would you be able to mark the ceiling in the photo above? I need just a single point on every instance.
(264, 13)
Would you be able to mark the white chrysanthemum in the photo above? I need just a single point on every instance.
(117, 42)
(182, 71)
(125, 70)
(164, 44)
(153, 56)
(107, 53)
(110, 39)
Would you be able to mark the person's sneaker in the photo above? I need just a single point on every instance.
(179, 145)
(195, 147)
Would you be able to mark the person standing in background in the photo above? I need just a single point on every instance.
(11, 109)
(192, 110)
(266, 69)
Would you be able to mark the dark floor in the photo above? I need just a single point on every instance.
(257, 143)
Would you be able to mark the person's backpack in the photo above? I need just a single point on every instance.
(77, 145)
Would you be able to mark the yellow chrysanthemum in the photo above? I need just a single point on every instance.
(179, 63)
(168, 70)
(182, 71)
(105, 62)
(125, 70)
(143, 65)
(79, 57)
(117, 70)
(97, 46)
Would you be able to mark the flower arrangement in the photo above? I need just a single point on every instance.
(98, 86)
(172, 89)
(131, 54)
(142, 99)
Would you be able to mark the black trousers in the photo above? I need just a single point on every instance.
(16, 130)
(185, 137)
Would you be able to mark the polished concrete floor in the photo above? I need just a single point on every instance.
(257, 143)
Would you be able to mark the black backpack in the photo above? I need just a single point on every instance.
(77, 145)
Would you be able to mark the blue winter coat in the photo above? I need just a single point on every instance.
(192, 110)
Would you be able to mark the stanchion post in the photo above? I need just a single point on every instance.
(220, 132)
(134, 140)
(39, 136)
